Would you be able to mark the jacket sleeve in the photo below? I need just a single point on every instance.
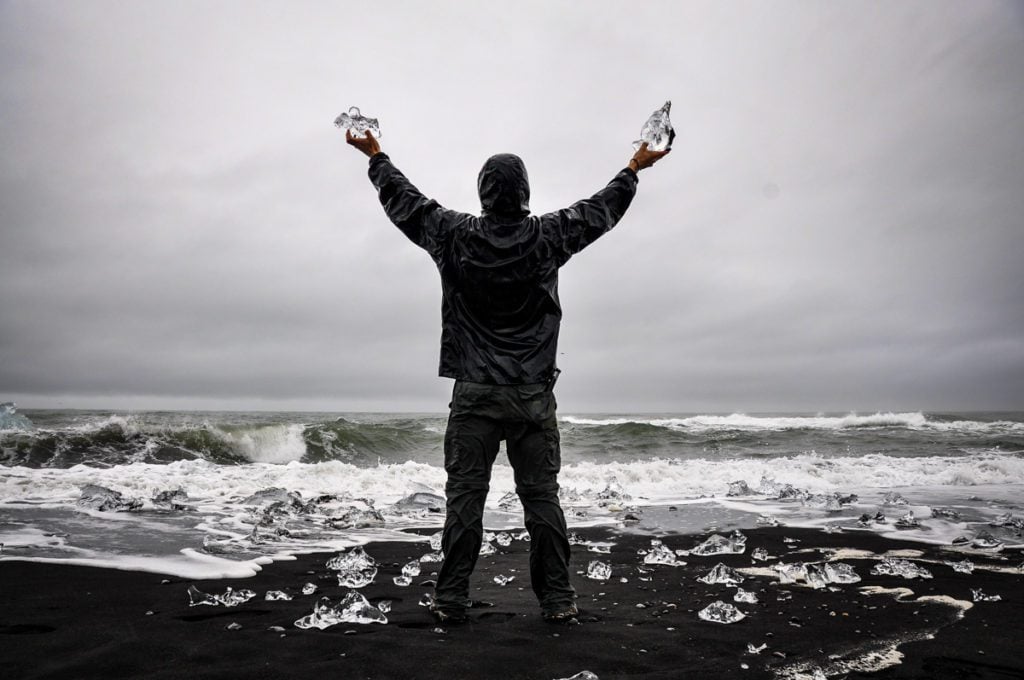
(423, 220)
(576, 227)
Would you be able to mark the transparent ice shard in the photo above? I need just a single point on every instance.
(172, 499)
(744, 596)
(427, 600)
(419, 503)
(840, 572)
(384, 606)
(660, 554)
(435, 540)
(402, 580)
(274, 595)
(657, 131)
(523, 535)
(964, 566)
(759, 554)
(978, 596)
(103, 499)
(751, 649)
(411, 569)
(767, 520)
(892, 566)
(355, 121)
(309, 589)
(716, 544)
(893, 498)
(355, 567)
(437, 556)
(907, 521)
(791, 573)
(599, 571)
(510, 502)
(739, 488)
(487, 549)
(721, 612)
(983, 540)
(816, 577)
(600, 549)
(503, 580)
(230, 598)
(357, 578)
(720, 573)
(353, 608)
(503, 539)
(582, 675)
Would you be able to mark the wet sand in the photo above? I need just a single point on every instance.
(79, 622)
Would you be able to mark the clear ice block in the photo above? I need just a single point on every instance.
(103, 499)
(791, 573)
(720, 573)
(657, 131)
(582, 675)
(436, 556)
(359, 124)
(907, 521)
(309, 589)
(660, 554)
(751, 649)
(721, 612)
(402, 581)
(503, 539)
(964, 566)
(744, 596)
(599, 571)
(411, 569)
(891, 566)
(487, 549)
(275, 595)
(759, 554)
(435, 540)
(353, 608)
(503, 580)
(230, 598)
(716, 544)
(978, 596)
(840, 572)
(739, 487)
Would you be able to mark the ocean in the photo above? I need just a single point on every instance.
(215, 494)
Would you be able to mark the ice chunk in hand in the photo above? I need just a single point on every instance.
(721, 612)
(355, 121)
(599, 571)
(722, 574)
(353, 608)
(657, 131)
(103, 499)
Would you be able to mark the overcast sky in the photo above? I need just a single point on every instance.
(840, 225)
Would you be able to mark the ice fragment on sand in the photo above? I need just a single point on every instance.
(411, 569)
(426, 601)
(722, 574)
(582, 675)
(353, 608)
(433, 557)
(355, 568)
(503, 580)
(947, 513)
(657, 131)
(384, 606)
(907, 521)
(233, 626)
(744, 596)
(274, 595)
(419, 503)
(402, 580)
(309, 589)
(759, 554)
(840, 572)
(983, 540)
(893, 498)
(716, 544)
(721, 612)
(964, 567)
(1008, 520)
(739, 488)
(487, 549)
(435, 540)
(767, 520)
(359, 124)
(660, 554)
(751, 649)
(230, 598)
(791, 573)
(979, 596)
(503, 539)
(598, 571)
(103, 499)
(816, 577)
(509, 503)
(891, 566)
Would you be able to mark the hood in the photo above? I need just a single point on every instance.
(504, 187)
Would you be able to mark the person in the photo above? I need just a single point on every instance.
(500, 316)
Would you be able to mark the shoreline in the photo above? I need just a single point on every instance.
(62, 621)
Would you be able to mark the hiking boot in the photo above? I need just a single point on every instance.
(564, 614)
(448, 617)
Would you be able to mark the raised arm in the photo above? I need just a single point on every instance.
(422, 219)
(574, 228)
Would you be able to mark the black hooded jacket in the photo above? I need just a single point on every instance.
(500, 312)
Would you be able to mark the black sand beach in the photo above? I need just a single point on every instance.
(79, 622)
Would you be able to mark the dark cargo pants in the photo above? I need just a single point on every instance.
(524, 416)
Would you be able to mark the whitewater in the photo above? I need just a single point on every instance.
(257, 487)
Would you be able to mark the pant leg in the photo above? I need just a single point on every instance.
(470, 447)
(535, 454)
